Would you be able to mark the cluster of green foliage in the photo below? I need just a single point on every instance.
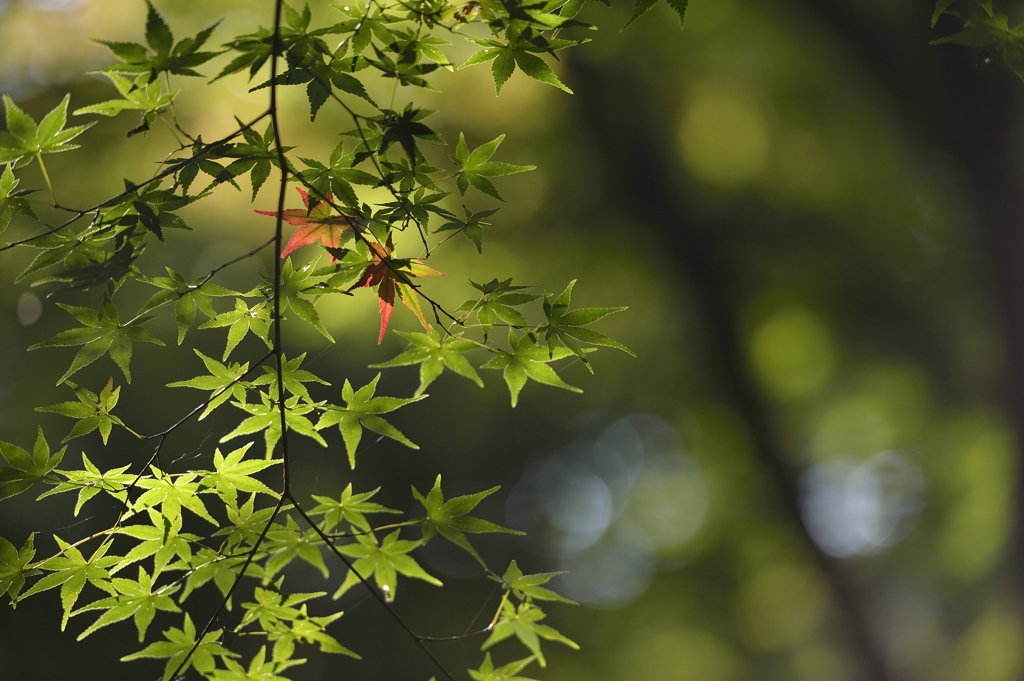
(985, 26)
(183, 529)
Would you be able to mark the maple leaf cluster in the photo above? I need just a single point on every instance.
(390, 275)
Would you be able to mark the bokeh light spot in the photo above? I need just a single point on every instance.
(723, 138)
(792, 354)
(992, 650)
(30, 308)
(982, 473)
(855, 508)
(670, 501)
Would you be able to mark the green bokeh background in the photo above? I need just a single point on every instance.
(852, 272)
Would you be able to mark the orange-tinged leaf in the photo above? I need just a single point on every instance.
(386, 302)
(390, 275)
(314, 225)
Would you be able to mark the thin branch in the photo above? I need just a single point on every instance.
(441, 639)
(167, 431)
(238, 578)
(376, 594)
(200, 407)
(278, 350)
(79, 214)
(205, 280)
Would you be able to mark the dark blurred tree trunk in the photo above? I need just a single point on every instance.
(944, 102)
(640, 171)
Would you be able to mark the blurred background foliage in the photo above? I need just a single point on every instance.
(809, 472)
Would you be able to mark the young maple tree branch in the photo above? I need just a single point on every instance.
(173, 168)
(376, 594)
(278, 241)
(387, 261)
(206, 280)
(278, 352)
(227, 597)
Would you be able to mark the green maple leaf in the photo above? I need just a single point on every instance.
(266, 417)
(178, 59)
(642, 7)
(362, 410)
(91, 410)
(508, 672)
(404, 128)
(498, 302)
(286, 542)
(405, 70)
(433, 355)
(246, 522)
(272, 606)
(187, 298)
(11, 201)
(529, 586)
(223, 382)
(233, 475)
(307, 629)
(138, 95)
(172, 493)
(293, 376)
(24, 140)
(242, 320)
(295, 283)
(523, 622)
(178, 649)
(568, 328)
(207, 564)
(27, 469)
(287, 624)
(350, 508)
(528, 361)
(504, 59)
(102, 333)
(90, 481)
(472, 228)
(134, 598)
(366, 25)
(475, 167)
(450, 519)
(14, 566)
(70, 570)
(259, 669)
(384, 561)
(162, 538)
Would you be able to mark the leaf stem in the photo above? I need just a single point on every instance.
(501, 605)
(46, 176)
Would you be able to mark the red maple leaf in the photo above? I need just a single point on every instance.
(314, 225)
(391, 276)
